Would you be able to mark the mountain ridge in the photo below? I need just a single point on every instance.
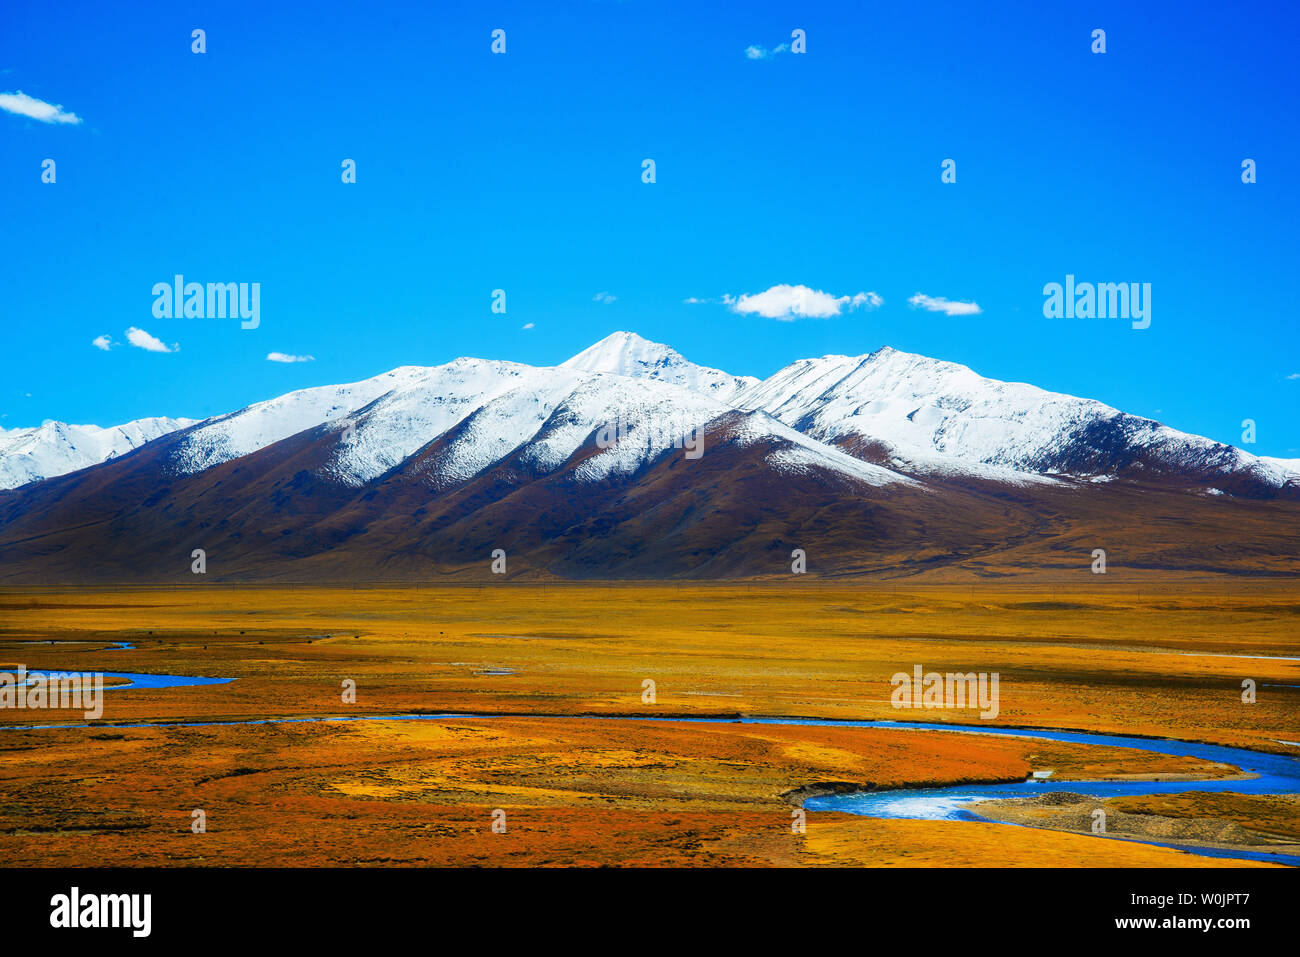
(882, 465)
(883, 406)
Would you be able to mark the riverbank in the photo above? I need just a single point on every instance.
(1227, 822)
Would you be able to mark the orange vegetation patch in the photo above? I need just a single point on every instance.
(572, 791)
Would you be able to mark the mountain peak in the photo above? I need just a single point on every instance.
(626, 353)
(620, 353)
(898, 357)
(56, 448)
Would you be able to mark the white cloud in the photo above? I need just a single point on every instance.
(756, 52)
(1294, 375)
(528, 325)
(947, 306)
(29, 106)
(603, 297)
(285, 357)
(870, 300)
(102, 342)
(787, 302)
(142, 340)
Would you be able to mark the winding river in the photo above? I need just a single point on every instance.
(1272, 773)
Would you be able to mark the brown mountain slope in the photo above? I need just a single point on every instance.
(272, 515)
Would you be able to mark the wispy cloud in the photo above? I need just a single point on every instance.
(286, 357)
(142, 340)
(603, 297)
(103, 342)
(948, 307)
(528, 325)
(756, 52)
(24, 105)
(786, 302)
(1294, 375)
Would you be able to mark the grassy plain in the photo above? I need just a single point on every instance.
(579, 790)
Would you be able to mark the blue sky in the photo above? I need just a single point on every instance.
(523, 172)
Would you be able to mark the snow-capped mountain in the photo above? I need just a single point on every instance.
(485, 410)
(261, 424)
(489, 410)
(627, 354)
(799, 453)
(630, 461)
(908, 413)
(482, 412)
(56, 448)
(925, 415)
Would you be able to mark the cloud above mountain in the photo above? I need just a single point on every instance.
(948, 307)
(787, 303)
(149, 343)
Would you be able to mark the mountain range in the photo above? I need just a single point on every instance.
(628, 461)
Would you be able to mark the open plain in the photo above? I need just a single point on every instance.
(534, 673)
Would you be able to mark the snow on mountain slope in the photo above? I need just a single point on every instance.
(503, 404)
(906, 413)
(626, 353)
(922, 408)
(1195, 453)
(496, 429)
(493, 409)
(388, 431)
(487, 411)
(635, 422)
(56, 448)
(933, 415)
(263, 423)
(800, 454)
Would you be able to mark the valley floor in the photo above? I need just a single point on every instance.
(529, 665)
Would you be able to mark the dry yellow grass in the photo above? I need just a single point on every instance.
(1092, 659)
(589, 791)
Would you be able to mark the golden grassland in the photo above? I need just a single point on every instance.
(582, 791)
(574, 791)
